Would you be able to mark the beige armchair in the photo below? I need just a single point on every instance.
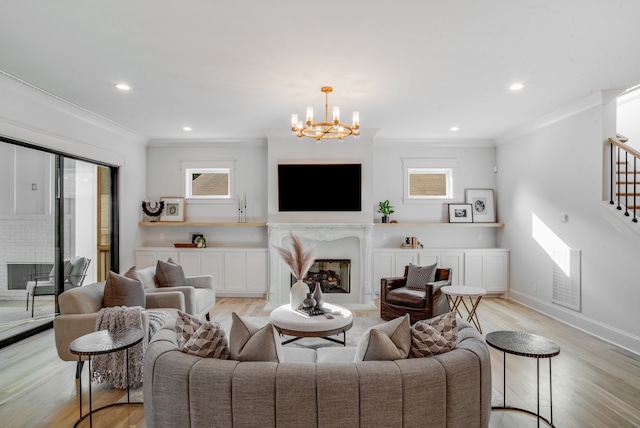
(79, 311)
(199, 291)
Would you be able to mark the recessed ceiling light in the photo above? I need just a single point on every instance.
(454, 129)
(186, 128)
(123, 87)
(516, 87)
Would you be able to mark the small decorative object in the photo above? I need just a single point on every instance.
(317, 295)
(173, 209)
(483, 205)
(200, 242)
(309, 302)
(460, 213)
(242, 209)
(299, 261)
(386, 210)
(152, 209)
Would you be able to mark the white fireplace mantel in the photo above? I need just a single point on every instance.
(332, 237)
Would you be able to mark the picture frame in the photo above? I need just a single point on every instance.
(460, 213)
(173, 208)
(483, 205)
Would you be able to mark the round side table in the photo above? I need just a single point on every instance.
(104, 342)
(293, 323)
(455, 296)
(525, 345)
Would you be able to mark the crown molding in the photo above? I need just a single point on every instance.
(416, 143)
(204, 143)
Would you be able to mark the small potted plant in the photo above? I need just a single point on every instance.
(386, 210)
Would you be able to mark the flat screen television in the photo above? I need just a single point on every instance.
(320, 187)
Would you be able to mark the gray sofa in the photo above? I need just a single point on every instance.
(318, 388)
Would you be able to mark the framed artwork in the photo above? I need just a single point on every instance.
(460, 213)
(173, 209)
(482, 204)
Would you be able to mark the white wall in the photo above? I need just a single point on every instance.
(556, 169)
(32, 116)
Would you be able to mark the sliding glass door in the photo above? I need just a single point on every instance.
(57, 217)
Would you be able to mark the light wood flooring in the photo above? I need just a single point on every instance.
(595, 384)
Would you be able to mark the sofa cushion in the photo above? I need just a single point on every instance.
(248, 342)
(170, 274)
(200, 337)
(385, 342)
(121, 290)
(434, 336)
(147, 276)
(418, 276)
(410, 297)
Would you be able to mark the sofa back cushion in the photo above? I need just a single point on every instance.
(146, 275)
(121, 290)
(170, 274)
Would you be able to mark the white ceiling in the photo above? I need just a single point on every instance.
(412, 68)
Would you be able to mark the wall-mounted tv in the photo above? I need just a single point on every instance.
(320, 187)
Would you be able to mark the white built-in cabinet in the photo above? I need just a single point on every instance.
(486, 268)
(237, 271)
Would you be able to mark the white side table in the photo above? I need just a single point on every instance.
(293, 323)
(456, 294)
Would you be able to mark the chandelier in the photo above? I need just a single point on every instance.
(325, 130)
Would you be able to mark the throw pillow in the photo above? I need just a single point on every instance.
(434, 336)
(418, 276)
(248, 342)
(200, 337)
(120, 290)
(170, 274)
(385, 342)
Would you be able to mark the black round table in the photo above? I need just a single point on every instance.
(104, 342)
(524, 345)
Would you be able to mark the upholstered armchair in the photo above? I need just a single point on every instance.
(75, 271)
(420, 300)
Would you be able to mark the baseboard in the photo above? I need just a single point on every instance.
(576, 320)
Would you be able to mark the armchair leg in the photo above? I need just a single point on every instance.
(33, 301)
(79, 366)
(27, 301)
(208, 317)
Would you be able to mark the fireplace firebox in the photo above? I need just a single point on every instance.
(334, 275)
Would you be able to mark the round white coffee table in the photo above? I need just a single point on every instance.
(456, 294)
(293, 323)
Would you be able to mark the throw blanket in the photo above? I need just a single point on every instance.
(112, 367)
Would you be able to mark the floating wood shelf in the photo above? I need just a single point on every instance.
(199, 223)
(439, 224)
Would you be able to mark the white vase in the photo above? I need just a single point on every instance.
(298, 293)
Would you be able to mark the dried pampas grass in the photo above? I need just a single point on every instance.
(299, 260)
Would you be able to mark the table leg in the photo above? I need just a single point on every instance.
(80, 385)
(550, 395)
(538, 388)
(90, 400)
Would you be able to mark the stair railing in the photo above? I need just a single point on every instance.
(620, 154)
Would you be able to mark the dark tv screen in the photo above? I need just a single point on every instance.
(320, 187)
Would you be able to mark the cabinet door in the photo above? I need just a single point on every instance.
(474, 270)
(455, 261)
(426, 258)
(257, 272)
(190, 262)
(145, 259)
(235, 271)
(403, 259)
(212, 264)
(497, 271)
